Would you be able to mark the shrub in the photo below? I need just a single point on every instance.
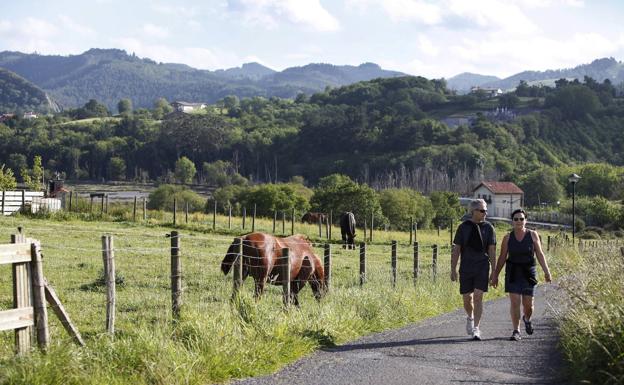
(399, 205)
(589, 235)
(162, 198)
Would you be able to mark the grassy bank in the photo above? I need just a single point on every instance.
(216, 339)
(592, 327)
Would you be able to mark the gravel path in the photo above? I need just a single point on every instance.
(438, 351)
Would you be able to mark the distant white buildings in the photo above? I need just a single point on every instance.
(502, 197)
(489, 92)
(187, 107)
(30, 115)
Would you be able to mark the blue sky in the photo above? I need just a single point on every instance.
(428, 38)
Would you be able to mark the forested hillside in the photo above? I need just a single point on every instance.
(109, 75)
(380, 132)
(17, 95)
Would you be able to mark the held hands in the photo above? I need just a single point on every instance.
(494, 280)
(547, 277)
(453, 275)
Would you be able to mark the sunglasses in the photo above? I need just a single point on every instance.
(518, 219)
(481, 211)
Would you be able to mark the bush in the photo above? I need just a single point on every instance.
(162, 198)
(590, 235)
(399, 205)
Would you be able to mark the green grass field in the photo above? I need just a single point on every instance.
(216, 339)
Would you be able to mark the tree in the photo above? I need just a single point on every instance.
(7, 180)
(541, 186)
(33, 178)
(508, 100)
(185, 170)
(446, 206)
(339, 193)
(575, 100)
(124, 107)
(273, 197)
(162, 198)
(399, 205)
(117, 168)
(161, 108)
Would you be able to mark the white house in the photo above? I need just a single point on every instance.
(502, 197)
(30, 115)
(489, 92)
(187, 107)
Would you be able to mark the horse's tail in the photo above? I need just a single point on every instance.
(230, 257)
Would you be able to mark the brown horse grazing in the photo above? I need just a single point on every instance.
(313, 218)
(261, 255)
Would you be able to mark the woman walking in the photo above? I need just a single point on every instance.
(518, 251)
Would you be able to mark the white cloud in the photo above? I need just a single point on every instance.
(151, 30)
(75, 27)
(269, 13)
(492, 14)
(413, 10)
(426, 46)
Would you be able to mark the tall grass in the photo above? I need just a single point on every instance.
(592, 327)
(216, 339)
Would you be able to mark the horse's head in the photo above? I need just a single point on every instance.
(230, 257)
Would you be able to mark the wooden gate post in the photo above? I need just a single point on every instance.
(108, 256)
(416, 264)
(238, 268)
(176, 276)
(22, 297)
(434, 262)
(362, 263)
(284, 262)
(39, 304)
(327, 265)
(393, 262)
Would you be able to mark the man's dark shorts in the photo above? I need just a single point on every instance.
(468, 281)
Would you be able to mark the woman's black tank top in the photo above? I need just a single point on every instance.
(521, 252)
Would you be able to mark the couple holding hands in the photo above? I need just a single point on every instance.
(475, 241)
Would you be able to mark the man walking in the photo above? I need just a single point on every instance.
(475, 241)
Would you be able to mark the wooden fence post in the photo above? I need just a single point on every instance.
(362, 263)
(327, 265)
(393, 262)
(39, 302)
(292, 223)
(186, 210)
(134, 208)
(3, 198)
(416, 264)
(327, 227)
(144, 209)
(176, 276)
(253, 220)
(244, 216)
(108, 257)
(23, 207)
(371, 226)
(320, 227)
(91, 205)
(274, 219)
(21, 297)
(365, 230)
(548, 244)
(71, 198)
(106, 205)
(230, 216)
(175, 211)
(416, 232)
(284, 262)
(451, 231)
(214, 216)
(434, 261)
(411, 228)
(284, 222)
(238, 268)
(331, 222)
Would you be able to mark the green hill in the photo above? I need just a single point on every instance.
(18, 95)
(109, 75)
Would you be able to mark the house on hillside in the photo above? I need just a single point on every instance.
(502, 197)
(30, 115)
(488, 92)
(6, 117)
(187, 107)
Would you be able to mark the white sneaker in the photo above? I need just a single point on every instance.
(476, 334)
(469, 325)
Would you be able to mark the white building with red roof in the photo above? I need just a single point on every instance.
(502, 197)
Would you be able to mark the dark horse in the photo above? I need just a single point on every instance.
(313, 218)
(261, 255)
(347, 229)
